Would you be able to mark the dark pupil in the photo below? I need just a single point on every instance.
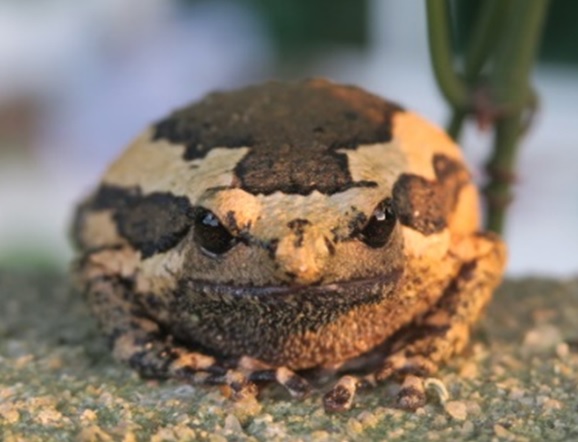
(377, 231)
(211, 235)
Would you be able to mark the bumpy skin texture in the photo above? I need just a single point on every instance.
(284, 227)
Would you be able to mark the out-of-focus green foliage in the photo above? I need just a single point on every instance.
(560, 32)
(300, 26)
(41, 257)
(493, 85)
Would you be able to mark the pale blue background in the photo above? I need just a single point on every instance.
(100, 71)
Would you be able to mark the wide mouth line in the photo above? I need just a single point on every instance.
(337, 287)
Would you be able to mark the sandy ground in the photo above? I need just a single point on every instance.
(518, 381)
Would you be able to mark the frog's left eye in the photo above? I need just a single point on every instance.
(378, 229)
(211, 235)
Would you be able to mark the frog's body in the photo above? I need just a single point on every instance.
(283, 227)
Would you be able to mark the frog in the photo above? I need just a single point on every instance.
(289, 233)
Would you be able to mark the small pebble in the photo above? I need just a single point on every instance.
(88, 415)
(49, 417)
(516, 393)
(552, 404)
(473, 408)
(233, 425)
(501, 431)
(469, 370)
(457, 410)
(440, 421)
(354, 427)
(368, 419)
(542, 338)
(562, 350)
(9, 415)
(467, 428)
(319, 436)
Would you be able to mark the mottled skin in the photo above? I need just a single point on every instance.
(285, 227)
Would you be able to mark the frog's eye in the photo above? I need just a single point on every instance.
(213, 238)
(378, 229)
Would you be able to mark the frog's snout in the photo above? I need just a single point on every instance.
(301, 258)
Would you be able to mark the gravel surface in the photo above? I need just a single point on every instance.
(518, 381)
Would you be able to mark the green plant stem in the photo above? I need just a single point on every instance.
(451, 85)
(485, 35)
(516, 52)
(500, 169)
(511, 91)
(456, 124)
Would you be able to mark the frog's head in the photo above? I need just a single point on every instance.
(292, 184)
(305, 238)
(281, 185)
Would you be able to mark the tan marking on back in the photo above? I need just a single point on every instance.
(247, 208)
(99, 230)
(158, 166)
(381, 163)
(268, 215)
(160, 272)
(465, 217)
(420, 140)
(123, 262)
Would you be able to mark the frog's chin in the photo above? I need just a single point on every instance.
(362, 289)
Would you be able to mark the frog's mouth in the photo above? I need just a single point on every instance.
(349, 292)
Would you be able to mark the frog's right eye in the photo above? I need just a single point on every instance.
(211, 236)
(378, 229)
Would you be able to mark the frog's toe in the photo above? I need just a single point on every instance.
(340, 397)
(412, 394)
(399, 365)
(297, 386)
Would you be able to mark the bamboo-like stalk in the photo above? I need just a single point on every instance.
(511, 91)
(484, 38)
(451, 85)
(516, 52)
(506, 33)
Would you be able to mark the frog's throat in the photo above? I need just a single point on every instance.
(350, 291)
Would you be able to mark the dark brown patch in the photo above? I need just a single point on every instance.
(418, 204)
(231, 221)
(293, 129)
(411, 398)
(78, 223)
(452, 177)
(357, 221)
(151, 223)
(425, 205)
(330, 245)
(336, 399)
(153, 362)
(271, 247)
(297, 226)
(468, 270)
(298, 386)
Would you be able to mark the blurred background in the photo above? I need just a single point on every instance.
(78, 80)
